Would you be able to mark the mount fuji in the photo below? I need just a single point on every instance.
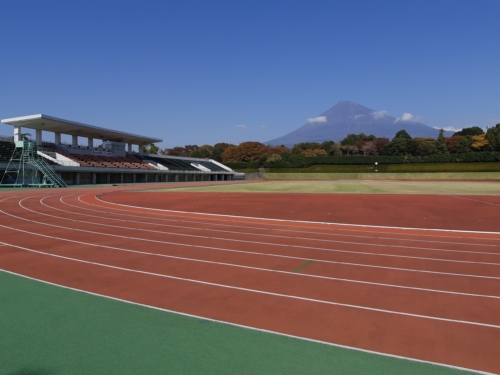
(352, 118)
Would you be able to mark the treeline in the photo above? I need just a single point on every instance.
(468, 145)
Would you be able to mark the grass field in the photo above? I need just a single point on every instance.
(355, 187)
(386, 176)
(395, 168)
(48, 330)
(390, 168)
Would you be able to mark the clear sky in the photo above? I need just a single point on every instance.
(202, 72)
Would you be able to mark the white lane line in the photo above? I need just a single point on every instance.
(259, 268)
(197, 228)
(307, 222)
(475, 200)
(248, 327)
(257, 291)
(249, 242)
(245, 252)
(159, 216)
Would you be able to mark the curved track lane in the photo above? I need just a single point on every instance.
(431, 296)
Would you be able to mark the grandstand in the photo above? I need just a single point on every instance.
(113, 161)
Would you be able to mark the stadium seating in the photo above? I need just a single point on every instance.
(6, 150)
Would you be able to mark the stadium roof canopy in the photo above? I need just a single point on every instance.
(57, 125)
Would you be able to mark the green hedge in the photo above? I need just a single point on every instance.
(299, 161)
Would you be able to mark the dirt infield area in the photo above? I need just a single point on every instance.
(473, 213)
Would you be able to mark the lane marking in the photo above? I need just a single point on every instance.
(242, 241)
(61, 199)
(307, 222)
(254, 234)
(248, 252)
(475, 200)
(272, 270)
(303, 266)
(257, 291)
(248, 327)
(209, 219)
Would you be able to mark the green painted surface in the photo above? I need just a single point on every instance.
(47, 330)
(303, 266)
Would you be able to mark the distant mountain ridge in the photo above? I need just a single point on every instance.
(352, 118)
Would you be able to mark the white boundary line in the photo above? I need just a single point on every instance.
(252, 328)
(197, 228)
(98, 197)
(238, 251)
(257, 291)
(411, 248)
(163, 217)
(234, 240)
(272, 229)
(290, 273)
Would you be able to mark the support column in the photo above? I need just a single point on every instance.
(93, 178)
(77, 178)
(74, 140)
(156, 178)
(17, 130)
(108, 178)
(90, 142)
(57, 138)
(121, 178)
(129, 147)
(39, 137)
(134, 178)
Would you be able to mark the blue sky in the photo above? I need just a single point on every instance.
(202, 72)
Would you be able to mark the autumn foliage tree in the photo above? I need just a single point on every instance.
(246, 151)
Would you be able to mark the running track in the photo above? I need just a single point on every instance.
(431, 296)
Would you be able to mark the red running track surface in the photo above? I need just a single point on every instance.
(478, 213)
(431, 296)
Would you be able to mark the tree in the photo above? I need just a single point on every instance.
(330, 147)
(180, 151)
(403, 134)
(474, 130)
(150, 149)
(425, 146)
(397, 147)
(493, 137)
(441, 144)
(218, 150)
(204, 151)
(246, 151)
(300, 147)
(313, 153)
(352, 139)
(274, 158)
(479, 142)
(379, 144)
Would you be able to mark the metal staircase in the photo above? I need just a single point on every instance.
(25, 166)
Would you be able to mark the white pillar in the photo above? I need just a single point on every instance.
(90, 142)
(39, 137)
(17, 131)
(74, 140)
(57, 138)
(129, 147)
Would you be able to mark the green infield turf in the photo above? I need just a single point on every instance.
(386, 176)
(48, 330)
(354, 187)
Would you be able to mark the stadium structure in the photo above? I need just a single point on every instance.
(28, 162)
